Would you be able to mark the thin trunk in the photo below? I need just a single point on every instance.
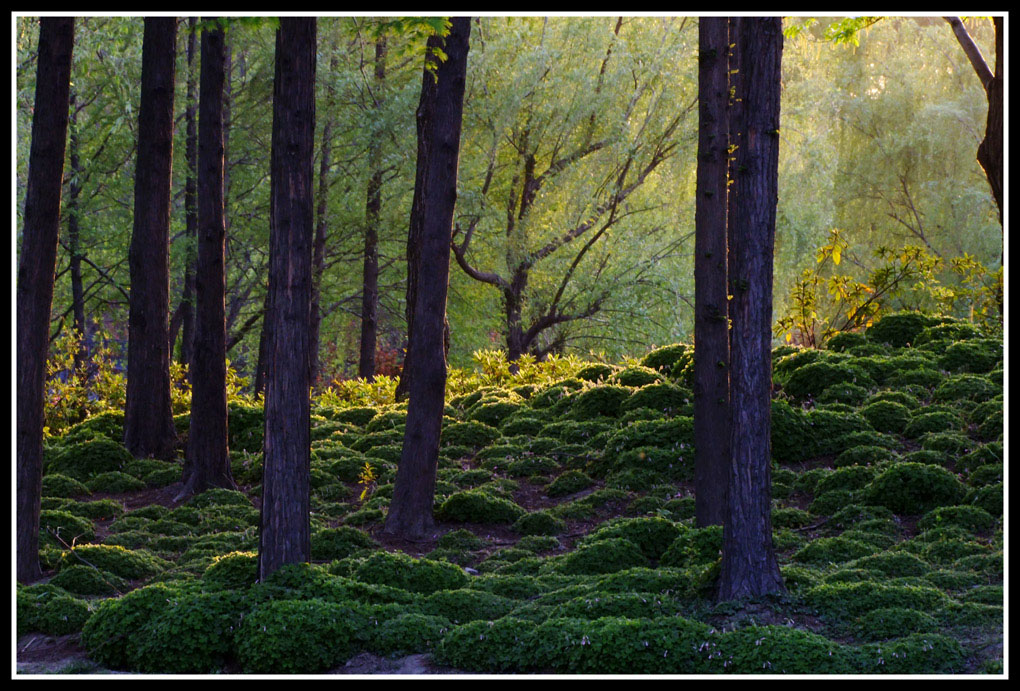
(992, 148)
(441, 108)
(207, 463)
(373, 206)
(260, 364)
(711, 327)
(187, 309)
(74, 245)
(749, 565)
(284, 537)
(148, 418)
(319, 246)
(36, 265)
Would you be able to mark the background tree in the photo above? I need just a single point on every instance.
(35, 274)
(749, 565)
(186, 310)
(148, 419)
(711, 324)
(207, 463)
(440, 114)
(284, 535)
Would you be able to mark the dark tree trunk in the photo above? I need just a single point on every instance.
(442, 101)
(148, 418)
(187, 310)
(319, 246)
(735, 105)
(991, 150)
(373, 205)
(260, 364)
(207, 463)
(749, 566)
(74, 244)
(36, 266)
(285, 531)
(711, 328)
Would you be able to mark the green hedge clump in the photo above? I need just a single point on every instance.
(407, 634)
(479, 506)
(85, 580)
(653, 535)
(398, 570)
(64, 529)
(115, 482)
(246, 426)
(461, 606)
(597, 372)
(887, 416)
(605, 556)
(473, 434)
(915, 488)
(977, 356)
(813, 379)
(664, 398)
(966, 387)
(487, 646)
(51, 611)
(664, 359)
(598, 401)
(862, 456)
(298, 637)
(56, 485)
(638, 375)
(840, 600)
(832, 550)
(971, 518)
(570, 482)
(694, 546)
(918, 653)
(88, 459)
(128, 564)
(899, 329)
(539, 523)
(931, 422)
(894, 622)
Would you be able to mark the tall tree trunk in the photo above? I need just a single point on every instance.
(36, 265)
(749, 566)
(74, 245)
(285, 531)
(259, 384)
(991, 150)
(711, 326)
(207, 463)
(148, 418)
(190, 207)
(441, 107)
(373, 205)
(319, 246)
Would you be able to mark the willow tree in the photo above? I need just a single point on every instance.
(36, 264)
(570, 121)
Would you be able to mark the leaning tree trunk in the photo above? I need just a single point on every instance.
(285, 531)
(991, 150)
(749, 565)
(36, 265)
(711, 326)
(207, 463)
(148, 417)
(442, 102)
(373, 205)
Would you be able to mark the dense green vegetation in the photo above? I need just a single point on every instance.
(566, 548)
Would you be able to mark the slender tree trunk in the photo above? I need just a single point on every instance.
(319, 246)
(711, 326)
(992, 149)
(749, 566)
(285, 530)
(373, 205)
(190, 207)
(442, 101)
(260, 364)
(36, 265)
(207, 463)
(81, 355)
(148, 418)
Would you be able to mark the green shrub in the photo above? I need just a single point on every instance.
(478, 506)
(570, 482)
(778, 650)
(664, 398)
(812, 379)
(653, 535)
(862, 456)
(894, 622)
(415, 575)
(338, 543)
(895, 396)
(89, 458)
(931, 422)
(298, 637)
(539, 523)
(462, 606)
(484, 646)
(111, 635)
(893, 564)
(845, 393)
(841, 600)
(971, 518)
(988, 498)
(991, 428)
(664, 359)
(968, 387)
(108, 424)
(407, 634)
(791, 518)
(246, 426)
(832, 550)
(918, 653)
(128, 564)
(64, 529)
(915, 488)
(887, 416)
(694, 546)
(991, 474)
(473, 434)
(850, 478)
(85, 580)
(598, 401)
(635, 376)
(605, 556)
(977, 356)
(899, 329)
(595, 373)
(844, 341)
(56, 485)
(115, 482)
(51, 611)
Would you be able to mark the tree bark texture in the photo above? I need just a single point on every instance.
(285, 531)
(711, 327)
(410, 513)
(373, 205)
(74, 243)
(991, 151)
(190, 205)
(148, 418)
(749, 566)
(36, 266)
(207, 463)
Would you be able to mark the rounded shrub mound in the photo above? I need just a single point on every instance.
(338, 543)
(665, 398)
(598, 401)
(487, 646)
(462, 606)
(231, 571)
(605, 556)
(539, 523)
(832, 550)
(398, 570)
(666, 358)
(110, 636)
(407, 634)
(298, 636)
(966, 387)
(128, 564)
(50, 611)
(88, 459)
(479, 506)
(85, 580)
(887, 416)
(915, 488)
(862, 456)
(652, 534)
(976, 356)
(694, 546)
(635, 376)
(899, 329)
(813, 379)
(56, 485)
(938, 421)
(473, 434)
(894, 622)
(570, 482)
